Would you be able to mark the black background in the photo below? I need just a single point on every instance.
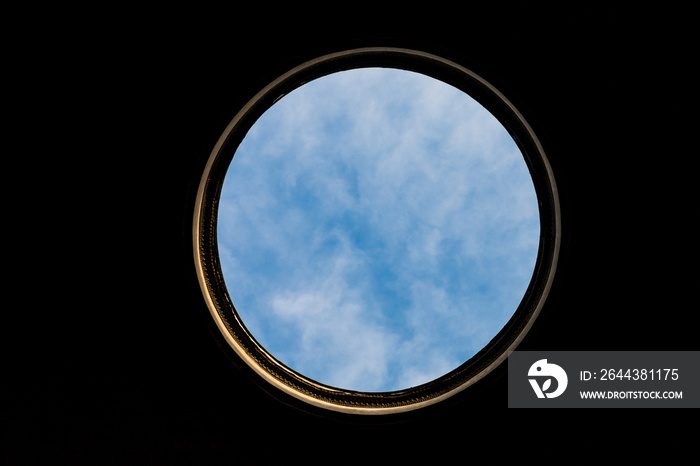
(111, 356)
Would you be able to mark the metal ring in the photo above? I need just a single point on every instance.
(268, 369)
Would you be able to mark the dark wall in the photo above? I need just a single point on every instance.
(116, 361)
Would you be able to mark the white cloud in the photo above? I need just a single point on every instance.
(362, 232)
(339, 339)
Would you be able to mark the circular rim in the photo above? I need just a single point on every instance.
(283, 378)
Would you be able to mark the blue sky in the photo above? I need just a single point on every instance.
(377, 228)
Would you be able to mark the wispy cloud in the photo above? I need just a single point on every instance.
(338, 334)
(377, 228)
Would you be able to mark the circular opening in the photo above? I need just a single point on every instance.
(375, 230)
